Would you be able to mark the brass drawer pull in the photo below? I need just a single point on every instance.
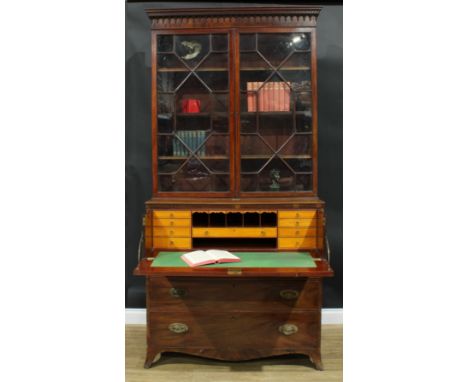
(171, 215)
(289, 294)
(178, 328)
(288, 329)
(176, 292)
(207, 233)
(263, 233)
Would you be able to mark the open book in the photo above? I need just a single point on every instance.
(211, 256)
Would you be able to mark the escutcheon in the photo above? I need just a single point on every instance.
(178, 328)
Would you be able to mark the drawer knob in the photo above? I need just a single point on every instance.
(207, 233)
(178, 328)
(288, 329)
(171, 232)
(297, 215)
(171, 215)
(297, 224)
(297, 233)
(171, 223)
(176, 292)
(289, 294)
(263, 233)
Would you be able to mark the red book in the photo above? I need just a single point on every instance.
(211, 256)
(250, 97)
(281, 96)
(261, 96)
(287, 96)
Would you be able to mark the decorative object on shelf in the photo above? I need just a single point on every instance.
(193, 49)
(191, 105)
(275, 179)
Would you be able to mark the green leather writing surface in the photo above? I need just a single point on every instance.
(248, 260)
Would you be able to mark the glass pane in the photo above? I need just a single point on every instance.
(165, 43)
(247, 42)
(192, 48)
(193, 113)
(219, 42)
(276, 112)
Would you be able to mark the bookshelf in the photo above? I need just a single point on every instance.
(234, 166)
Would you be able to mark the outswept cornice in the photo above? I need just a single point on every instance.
(304, 16)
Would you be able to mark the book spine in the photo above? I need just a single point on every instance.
(287, 97)
(249, 97)
(276, 97)
(261, 97)
(281, 96)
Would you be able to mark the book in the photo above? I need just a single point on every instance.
(261, 98)
(210, 256)
(250, 96)
(281, 96)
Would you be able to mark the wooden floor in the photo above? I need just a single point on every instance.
(182, 368)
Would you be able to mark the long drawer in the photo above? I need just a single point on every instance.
(299, 232)
(234, 232)
(299, 243)
(172, 222)
(294, 214)
(172, 243)
(236, 330)
(163, 214)
(172, 231)
(297, 223)
(226, 294)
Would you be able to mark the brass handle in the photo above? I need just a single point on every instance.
(176, 292)
(171, 232)
(297, 215)
(297, 224)
(178, 328)
(171, 215)
(172, 223)
(171, 242)
(263, 233)
(207, 233)
(289, 294)
(297, 233)
(288, 329)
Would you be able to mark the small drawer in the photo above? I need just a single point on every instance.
(172, 222)
(162, 214)
(234, 232)
(173, 243)
(298, 232)
(296, 243)
(293, 214)
(172, 231)
(300, 223)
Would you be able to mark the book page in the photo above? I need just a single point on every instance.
(199, 256)
(220, 254)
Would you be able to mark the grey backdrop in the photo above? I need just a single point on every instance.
(138, 135)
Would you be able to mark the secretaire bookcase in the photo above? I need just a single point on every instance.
(234, 154)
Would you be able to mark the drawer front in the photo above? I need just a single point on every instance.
(302, 223)
(298, 232)
(172, 243)
(234, 232)
(309, 214)
(172, 231)
(236, 330)
(172, 222)
(297, 243)
(225, 294)
(171, 214)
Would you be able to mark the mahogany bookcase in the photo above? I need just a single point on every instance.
(234, 155)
